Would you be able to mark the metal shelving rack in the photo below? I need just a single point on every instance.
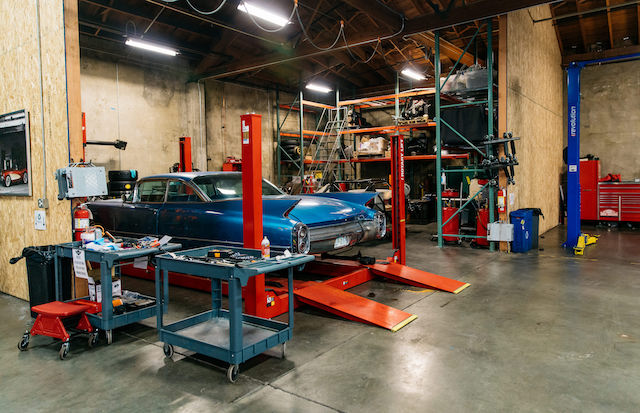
(488, 147)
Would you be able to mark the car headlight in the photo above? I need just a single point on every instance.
(381, 224)
(301, 238)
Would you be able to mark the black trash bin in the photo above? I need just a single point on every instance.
(41, 270)
(535, 226)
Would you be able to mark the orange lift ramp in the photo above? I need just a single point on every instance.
(417, 278)
(353, 307)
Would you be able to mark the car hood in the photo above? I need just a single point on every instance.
(317, 211)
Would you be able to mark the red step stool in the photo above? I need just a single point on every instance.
(50, 323)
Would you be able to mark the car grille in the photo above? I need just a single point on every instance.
(333, 231)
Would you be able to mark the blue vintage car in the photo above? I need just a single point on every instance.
(204, 208)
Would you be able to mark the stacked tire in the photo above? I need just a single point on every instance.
(122, 182)
(291, 146)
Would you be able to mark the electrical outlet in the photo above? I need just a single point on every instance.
(43, 203)
(40, 220)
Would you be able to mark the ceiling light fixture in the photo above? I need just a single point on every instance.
(413, 74)
(318, 88)
(151, 47)
(263, 14)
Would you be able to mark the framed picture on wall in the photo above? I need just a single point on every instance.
(15, 154)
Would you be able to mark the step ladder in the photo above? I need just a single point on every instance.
(326, 148)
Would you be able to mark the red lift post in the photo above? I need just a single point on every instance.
(255, 297)
(185, 164)
(398, 232)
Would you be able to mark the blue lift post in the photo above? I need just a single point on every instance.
(573, 143)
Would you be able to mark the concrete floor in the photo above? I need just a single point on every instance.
(537, 332)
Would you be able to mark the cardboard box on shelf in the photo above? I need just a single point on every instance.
(95, 290)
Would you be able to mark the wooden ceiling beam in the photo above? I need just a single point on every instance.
(610, 25)
(378, 13)
(619, 51)
(478, 10)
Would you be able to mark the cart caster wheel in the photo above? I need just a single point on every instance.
(109, 335)
(64, 350)
(24, 343)
(232, 373)
(283, 354)
(93, 339)
(168, 350)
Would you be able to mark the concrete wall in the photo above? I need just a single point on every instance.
(610, 116)
(226, 102)
(149, 109)
(534, 112)
(21, 88)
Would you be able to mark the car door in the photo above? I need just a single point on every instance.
(139, 217)
(193, 222)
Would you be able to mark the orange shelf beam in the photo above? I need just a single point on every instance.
(386, 97)
(383, 159)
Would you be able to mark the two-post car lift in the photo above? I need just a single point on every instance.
(330, 295)
(269, 298)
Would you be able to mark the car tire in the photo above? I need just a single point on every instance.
(123, 175)
(7, 181)
(121, 185)
(289, 142)
(25, 178)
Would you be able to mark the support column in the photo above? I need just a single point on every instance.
(436, 64)
(573, 155)
(398, 208)
(251, 130)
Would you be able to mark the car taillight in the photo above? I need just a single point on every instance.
(301, 238)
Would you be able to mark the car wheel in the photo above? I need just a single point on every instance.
(25, 178)
(7, 181)
(124, 175)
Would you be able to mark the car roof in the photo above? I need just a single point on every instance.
(187, 176)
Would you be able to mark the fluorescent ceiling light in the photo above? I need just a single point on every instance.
(413, 74)
(318, 88)
(151, 46)
(263, 14)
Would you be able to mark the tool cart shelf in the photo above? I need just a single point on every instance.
(110, 261)
(227, 335)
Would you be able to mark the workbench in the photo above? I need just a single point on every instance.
(227, 335)
(110, 263)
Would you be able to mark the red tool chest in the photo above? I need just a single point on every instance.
(589, 175)
(607, 201)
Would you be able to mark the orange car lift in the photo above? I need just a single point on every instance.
(269, 298)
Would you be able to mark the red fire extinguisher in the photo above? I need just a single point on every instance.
(81, 221)
(502, 200)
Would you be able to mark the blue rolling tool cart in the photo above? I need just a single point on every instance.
(227, 335)
(110, 262)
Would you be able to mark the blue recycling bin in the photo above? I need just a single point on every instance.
(522, 221)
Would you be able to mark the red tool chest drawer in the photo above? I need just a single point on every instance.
(619, 201)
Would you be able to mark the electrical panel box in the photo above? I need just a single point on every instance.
(500, 231)
(81, 181)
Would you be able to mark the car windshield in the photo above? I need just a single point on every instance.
(229, 186)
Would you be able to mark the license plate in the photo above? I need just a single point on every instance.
(341, 242)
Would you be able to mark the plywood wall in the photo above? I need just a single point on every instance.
(149, 109)
(21, 89)
(610, 117)
(534, 111)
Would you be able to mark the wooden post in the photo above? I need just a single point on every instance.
(502, 110)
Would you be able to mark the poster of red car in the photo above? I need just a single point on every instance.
(15, 159)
